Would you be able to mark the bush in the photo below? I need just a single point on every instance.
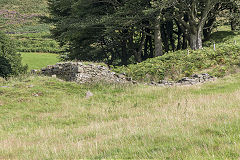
(10, 61)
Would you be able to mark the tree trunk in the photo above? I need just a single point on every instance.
(233, 20)
(169, 28)
(151, 55)
(147, 45)
(145, 53)
(184, 44)
(179, 36)
(138, 52)
(165, 38)
(179, 42)
(124, 53)
(193, 41)
(208, 28)
(233, 25)
(195, 38)
(158, 38)
(199, 38)
(148, 48)
(195, 22)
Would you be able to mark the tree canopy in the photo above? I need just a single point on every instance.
(120, 32)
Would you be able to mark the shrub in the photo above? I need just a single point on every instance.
(10, 60)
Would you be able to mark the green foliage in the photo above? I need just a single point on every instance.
(124, 32)
(170, 66)
(175, 65)
(101, 30)
(5, 67)
(10, 60)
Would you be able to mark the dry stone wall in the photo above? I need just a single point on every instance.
(84, 73)
(88, 73)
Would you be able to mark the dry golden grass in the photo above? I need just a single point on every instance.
(198, 122)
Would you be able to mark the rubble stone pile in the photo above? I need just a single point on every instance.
(88, 73)
(196, 78)
(193, 80)
(84, 73)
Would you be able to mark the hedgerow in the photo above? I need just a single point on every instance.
(36, 42)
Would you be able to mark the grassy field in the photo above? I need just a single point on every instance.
(39, 60)
(44, 118)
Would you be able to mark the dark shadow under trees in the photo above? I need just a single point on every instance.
(5, 67)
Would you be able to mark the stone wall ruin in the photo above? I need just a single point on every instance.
(84, 73)
(88, 73)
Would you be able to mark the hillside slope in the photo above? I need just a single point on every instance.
(26, 6)
(20, 19)
(22, 16)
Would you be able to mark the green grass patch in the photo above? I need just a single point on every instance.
(45, 118)
(39, 60)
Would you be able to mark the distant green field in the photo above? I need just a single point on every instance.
(39, 60)
(36, 42)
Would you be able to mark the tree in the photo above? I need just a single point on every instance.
(120, 32)
(192, 16)
(78, 24)
(10, 61)
(234, 15)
